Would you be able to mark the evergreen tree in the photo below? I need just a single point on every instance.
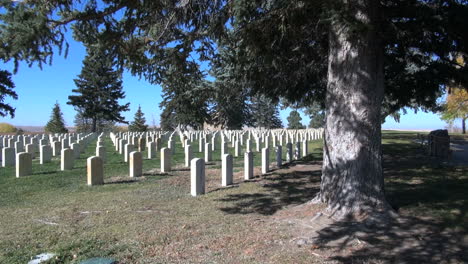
(316, 115)
(265, 113)
(99, 88)
(294, 120)
(56, 123)
(139, 123)
(168, 121)
(342, 53)
(6, 89)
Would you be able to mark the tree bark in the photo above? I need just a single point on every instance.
(94, 125)
(463, 126)
(352, 180)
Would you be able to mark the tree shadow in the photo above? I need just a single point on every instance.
(281, 189)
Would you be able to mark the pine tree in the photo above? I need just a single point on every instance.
(99, 88)
(360, 58)
(139, 123)
(294, 120)
(265, 113)
(56, 123)
(6, 89)
(316, 115)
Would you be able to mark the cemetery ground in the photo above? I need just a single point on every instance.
(153, 219)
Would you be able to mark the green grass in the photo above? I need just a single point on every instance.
(153, 219)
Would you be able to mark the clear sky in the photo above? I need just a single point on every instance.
(38, 90)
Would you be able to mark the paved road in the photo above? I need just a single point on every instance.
(459, 154)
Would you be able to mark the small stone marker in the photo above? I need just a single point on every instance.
(289, 152)
(95, 171)
(208, 152)
(188, 155)
(128, 148)
(76, 150)
(248, 165)
(297, 150)
(66, 161)
(151, 150)
(23, 164)
(236, 148)
(30, 148)
(265, 160)
(101, 152)
(226, 167)
(45, 154)
(197, 176)
(136, 164)
(305, 148)
(55, 148)
(165, 159)
(9, 157)
(279, 154)
(141, 144)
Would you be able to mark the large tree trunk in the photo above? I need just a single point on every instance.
(94, 125)
(352, 179)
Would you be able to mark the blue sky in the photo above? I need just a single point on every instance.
(38, 90)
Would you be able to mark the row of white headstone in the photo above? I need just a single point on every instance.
(68, 146)
(130, 145)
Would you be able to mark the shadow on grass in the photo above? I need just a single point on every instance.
(281, 189)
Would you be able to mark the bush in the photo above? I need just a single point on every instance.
(7, 128)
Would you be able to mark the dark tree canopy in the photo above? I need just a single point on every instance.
(99, 88)
(56, 123)
(139, 122)
(265, 113)
(316, 114)
(294, 120)
(6, 89)
(361, 59)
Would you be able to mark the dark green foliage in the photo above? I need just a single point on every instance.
(6, 89)
(139, 123)
(316, 114)
(185, 97)
(85, 125)
(99, 88)
(265, 113)
(56, 123)
(168, 120)
(294, 120)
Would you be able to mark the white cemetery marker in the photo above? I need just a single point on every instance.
(226, 168)
(136, 164)
(30, 148)
(289, 152)
(9, 158)
(265, 160)
(248, 165)
(95, 171)
(45, 154)
(101, 152)
(66, 161)
(305, 148)
(197, 176)
(279, 154)
(128, 148)
(188, 155)
(208, 152)
(151, 150)
(23, 164)
(165, 159)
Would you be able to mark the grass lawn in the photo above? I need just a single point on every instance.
(153, 219)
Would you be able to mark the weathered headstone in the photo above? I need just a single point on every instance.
(188, 155)
(279, 154)
(9, 158)
(67, 159)
(45, 154)
(31, 149)
(207, 152)
(265, 160)
(95, 171)
(23, 164)
(226, 167)
(136, 164)
(76, 150)
(101, 152)
(289, 152)
(56, 148)
(197, 176)
(128, 148)
(248, 165)
(151, 150)
(165, 159)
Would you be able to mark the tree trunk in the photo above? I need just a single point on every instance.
(463, 126)
(94, 128)
(352, 179)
